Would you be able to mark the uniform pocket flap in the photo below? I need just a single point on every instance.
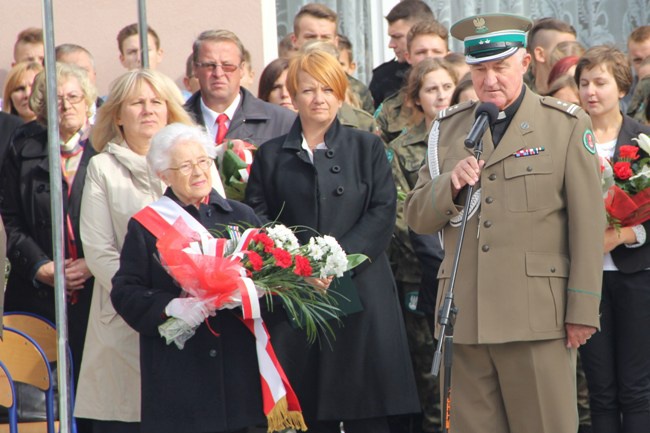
(547, 265)
(536, 164)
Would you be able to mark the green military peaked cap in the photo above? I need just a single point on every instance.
(491, 37)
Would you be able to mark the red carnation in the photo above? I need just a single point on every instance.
(282, 257)
(255, 260)
(267, 242)
(303, 267)
(628, 153)
(623, 169)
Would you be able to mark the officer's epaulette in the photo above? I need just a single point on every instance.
(447, 112)
(567, 107)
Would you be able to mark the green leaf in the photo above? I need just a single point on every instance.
(355, 260)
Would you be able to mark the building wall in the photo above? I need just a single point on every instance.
(94, 24)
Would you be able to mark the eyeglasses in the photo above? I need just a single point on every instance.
(73, 98)
(188, 167)
(226, 67)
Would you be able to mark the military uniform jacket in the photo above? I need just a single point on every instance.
(393, 117)
(407, 153)
(532, 255)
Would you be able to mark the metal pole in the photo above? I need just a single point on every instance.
(144, 34)
(56, 200)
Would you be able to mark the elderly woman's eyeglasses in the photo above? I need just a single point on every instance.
(187, 168)
(73, 98)
(211, 66)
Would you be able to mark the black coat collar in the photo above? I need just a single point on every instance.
(215, 200)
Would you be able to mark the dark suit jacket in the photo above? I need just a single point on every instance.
(629, 260)
(255, 121)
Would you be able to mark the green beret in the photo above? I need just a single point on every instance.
(491, 36)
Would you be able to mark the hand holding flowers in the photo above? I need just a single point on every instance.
(269, 259)
(626, 184)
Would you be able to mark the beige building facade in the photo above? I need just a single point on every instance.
(94, 24)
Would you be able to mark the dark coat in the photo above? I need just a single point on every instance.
(387, 79)
(255, 121)
(8, 124)
(26, 212)
(629, 260)
(348, 193)
(213, 384)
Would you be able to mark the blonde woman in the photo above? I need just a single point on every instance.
(119, 183)
(18, 88)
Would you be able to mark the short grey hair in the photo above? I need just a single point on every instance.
(217, 36)
(171, 135)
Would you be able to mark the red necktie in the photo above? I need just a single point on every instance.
(223, 128)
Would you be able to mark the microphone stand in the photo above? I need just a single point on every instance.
(448, 312)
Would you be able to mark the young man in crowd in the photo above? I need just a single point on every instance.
(29, 46)
(542, 38)
(128, 42)
(425, 39)
(388, 77)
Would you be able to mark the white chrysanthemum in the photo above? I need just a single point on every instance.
(314, 250)
(283, 237)
(335, 264)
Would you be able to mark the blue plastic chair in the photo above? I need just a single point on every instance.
(44, 333)
(8, 397)
(27, 363)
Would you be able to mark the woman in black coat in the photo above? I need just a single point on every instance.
(337, 180)
(25, 206)
(616, 360)
(213, 383)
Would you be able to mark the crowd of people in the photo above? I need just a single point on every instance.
(544, 283)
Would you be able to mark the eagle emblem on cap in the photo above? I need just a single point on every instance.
(479, 25)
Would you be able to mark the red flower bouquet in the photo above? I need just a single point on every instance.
(235, 272)
(228, 273)
(627, 182)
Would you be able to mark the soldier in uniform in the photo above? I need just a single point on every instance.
(429, 88)
(425, 39)
(528, 286)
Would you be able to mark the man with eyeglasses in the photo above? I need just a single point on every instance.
(222, 105)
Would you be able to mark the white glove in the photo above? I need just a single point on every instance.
(190, 310)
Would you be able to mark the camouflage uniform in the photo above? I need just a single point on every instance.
(357, 118)
(407, 154)
(363, 93)
(392, 117)
(637, 107)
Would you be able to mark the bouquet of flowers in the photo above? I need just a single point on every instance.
(229, 273)
(626, 184)
(234, 159)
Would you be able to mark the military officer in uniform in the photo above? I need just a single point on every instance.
(528, 286)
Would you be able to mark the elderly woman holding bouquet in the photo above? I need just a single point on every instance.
(213, 383)
(337, 181)
(616, 360)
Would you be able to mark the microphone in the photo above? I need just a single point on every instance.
(486, 115)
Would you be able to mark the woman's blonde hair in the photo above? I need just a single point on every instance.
(64, 71)
(106, 128)
(14, 80)
(324, 67)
